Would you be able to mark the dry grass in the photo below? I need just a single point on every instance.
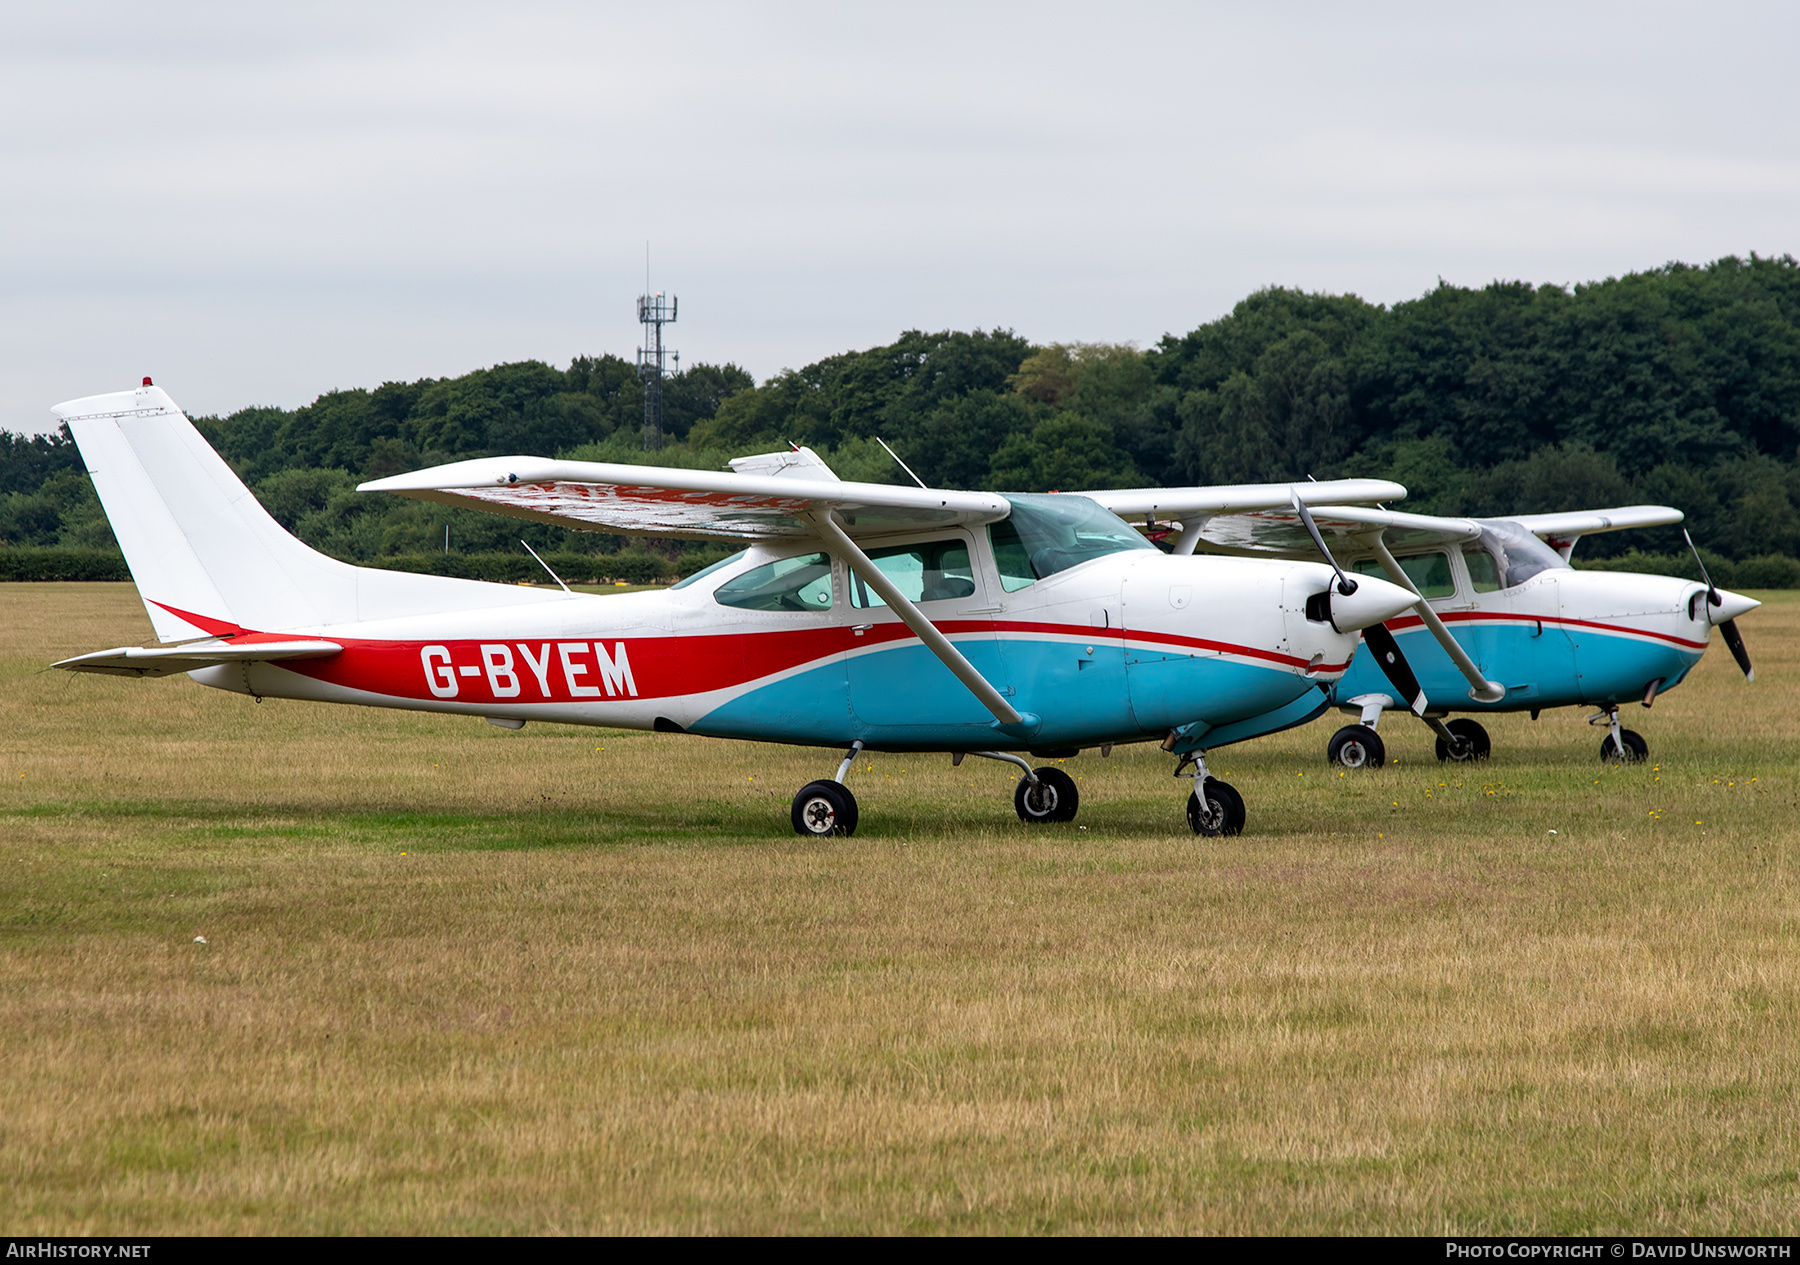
(458, 979)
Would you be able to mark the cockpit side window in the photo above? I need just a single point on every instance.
(1522, 555)
(1046, 534)
(1429, 572)
(1484, 572)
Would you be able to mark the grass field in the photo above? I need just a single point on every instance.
(456, 979)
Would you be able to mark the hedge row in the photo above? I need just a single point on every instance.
(51, 562)
(1770, 571)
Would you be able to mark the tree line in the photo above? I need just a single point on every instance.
(1678, 385)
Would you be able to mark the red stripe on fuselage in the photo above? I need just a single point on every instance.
(1469, 617)
(562, 670)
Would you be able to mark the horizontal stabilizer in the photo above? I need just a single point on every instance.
(168, 660)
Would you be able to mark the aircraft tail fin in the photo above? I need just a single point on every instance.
(207, 557)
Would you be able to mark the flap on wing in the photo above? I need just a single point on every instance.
(801, 463)
(1233, 498)
(1590, 522)
(701, 504)
(168, 660)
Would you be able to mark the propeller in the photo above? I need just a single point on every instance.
(1345, 585)
(1393, 664)
(1734, 640)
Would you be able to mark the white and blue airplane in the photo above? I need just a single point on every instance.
(864, 617)
(1500, 621)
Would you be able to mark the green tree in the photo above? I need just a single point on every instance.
(1063, 453)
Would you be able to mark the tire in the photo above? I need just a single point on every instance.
(1356, 747)
(1053, 799)
(1636, 749)
(1474, 737)
(1227, 815)
(824, 809)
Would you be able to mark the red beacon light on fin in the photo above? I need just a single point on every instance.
(146, 381)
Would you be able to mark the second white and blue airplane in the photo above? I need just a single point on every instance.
(1500, 621)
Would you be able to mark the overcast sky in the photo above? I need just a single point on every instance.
(259, 203)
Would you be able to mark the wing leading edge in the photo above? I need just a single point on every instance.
(765, 501)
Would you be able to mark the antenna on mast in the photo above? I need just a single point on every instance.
(654, 311)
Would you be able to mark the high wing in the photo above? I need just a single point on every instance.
(1227, 498)
(1259, 518)
(768, 497)
(774, 496)
(189, 656)
(1591, 522)
(1561, 531)
(1346, 527)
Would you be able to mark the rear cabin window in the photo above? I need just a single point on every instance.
(720, 565)
(931, 572)
(801, 583)
(1429, 572)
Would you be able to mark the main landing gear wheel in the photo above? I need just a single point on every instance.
(1356, 747)
(1636, 749)
(822, 809)
(1223, 813)
(1471, 741)
(1054, 798)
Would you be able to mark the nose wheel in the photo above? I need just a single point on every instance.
(1220, 813)
(1462, 740)
(1635, 750)
(1213, 807)
(1620, 745)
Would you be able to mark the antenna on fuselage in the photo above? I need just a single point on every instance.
(896, 456)
(546, 566)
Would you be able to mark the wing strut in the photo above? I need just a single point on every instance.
(1484, 690)
(914, 618)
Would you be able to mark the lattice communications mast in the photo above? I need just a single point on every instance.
(654, 311)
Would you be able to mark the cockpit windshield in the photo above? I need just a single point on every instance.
(1522, 554)
(1045, 534)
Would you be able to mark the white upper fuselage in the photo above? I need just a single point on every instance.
(1120, 647)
